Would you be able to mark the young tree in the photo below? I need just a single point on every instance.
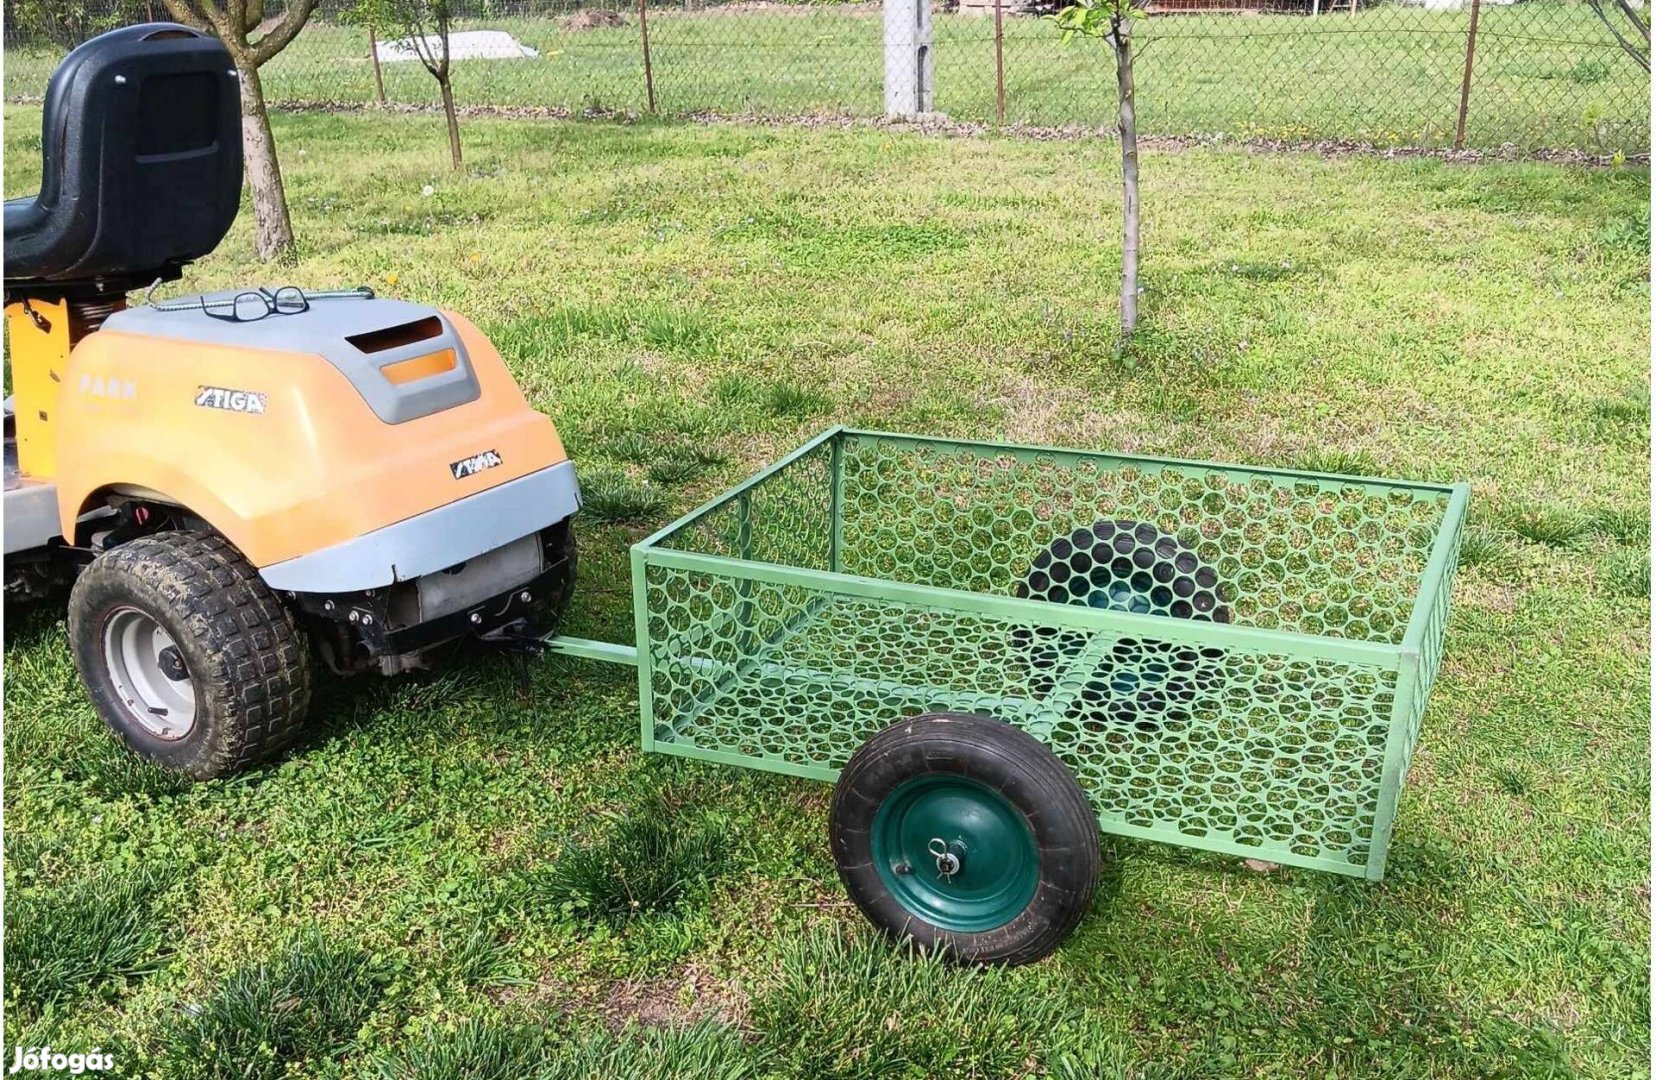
(424, 24)
(235, 22)
(1112, 22)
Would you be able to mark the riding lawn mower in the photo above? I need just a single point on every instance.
(239, 485)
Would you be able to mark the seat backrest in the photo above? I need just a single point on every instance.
(142, 161)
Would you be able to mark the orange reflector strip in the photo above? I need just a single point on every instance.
(420, 367)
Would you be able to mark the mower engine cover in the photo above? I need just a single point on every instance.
(345, 447)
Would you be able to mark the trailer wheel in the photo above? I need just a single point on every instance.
(187, 655)
(1129, 566)
(964, 833)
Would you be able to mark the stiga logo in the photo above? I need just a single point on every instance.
(45, 1059)
(219, 397)
(475, 464)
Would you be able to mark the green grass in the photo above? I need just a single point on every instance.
(651, 860)
(611, 495)
(1340, 463)
(481, 1050)
(1547, 72)
(1484, 549)
(1625, 526)
(1550, 526)
(471, 1049)
(1627, 573)
(848, 1005)
(1434, 321)
(674, 469)
(81, 939)
(302, 1005)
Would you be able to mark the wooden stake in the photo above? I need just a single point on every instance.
(1000, 69)
(649, 76)
(1466, 78)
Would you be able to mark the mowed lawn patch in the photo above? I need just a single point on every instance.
(688, 302)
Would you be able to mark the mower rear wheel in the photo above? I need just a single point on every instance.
(187, 654)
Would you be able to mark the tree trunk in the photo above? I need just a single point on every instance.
(379, 76)
(272, 229)
(1121, 42)
(453, 121)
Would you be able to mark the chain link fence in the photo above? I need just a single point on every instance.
(1536, 74)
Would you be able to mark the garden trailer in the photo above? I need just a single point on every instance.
(996, 651)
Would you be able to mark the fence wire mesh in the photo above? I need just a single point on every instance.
(1544, 74)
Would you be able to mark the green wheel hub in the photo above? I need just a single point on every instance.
(955, 853)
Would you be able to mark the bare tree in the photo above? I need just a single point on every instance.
(425, 26)
(1628, 26)
(236, 22)
(1112, 22)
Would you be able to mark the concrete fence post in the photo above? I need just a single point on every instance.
(908, 58)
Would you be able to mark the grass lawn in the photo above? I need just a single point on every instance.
(428, 883)
(1547, 73)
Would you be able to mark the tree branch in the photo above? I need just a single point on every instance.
(235, 14)
(414, 24)
(1641, 56)
(1633, 16)
(187, 13)
(285, 31)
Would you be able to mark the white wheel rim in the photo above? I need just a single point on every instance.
(148, 671)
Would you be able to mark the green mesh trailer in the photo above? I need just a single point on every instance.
(997, 651)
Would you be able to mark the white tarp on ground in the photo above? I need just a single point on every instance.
(463, 45)
(1457, 5)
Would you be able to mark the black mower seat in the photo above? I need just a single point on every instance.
(142, 169)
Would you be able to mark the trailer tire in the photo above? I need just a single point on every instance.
(1129, 566)
(1021, 830)
(187, 655)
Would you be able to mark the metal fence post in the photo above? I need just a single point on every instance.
(1000, 68)
(379, 76)
(649, 75)
(1466, 78)
(908, 58)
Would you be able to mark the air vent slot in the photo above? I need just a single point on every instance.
(395, 337)
(420, 367)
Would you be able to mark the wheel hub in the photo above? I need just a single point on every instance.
(151, 680)
(172, 663)
(1120, 595)
(955, 853)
